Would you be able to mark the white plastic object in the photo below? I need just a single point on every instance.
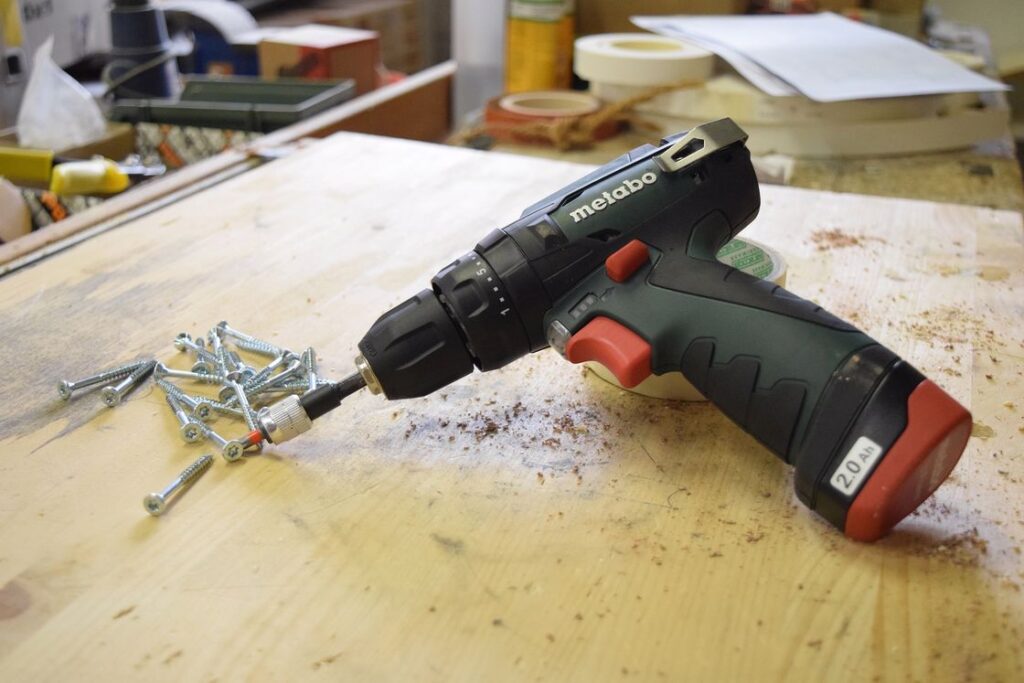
(640, 59)
(56, 111)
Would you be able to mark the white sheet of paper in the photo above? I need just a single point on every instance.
(824, 56)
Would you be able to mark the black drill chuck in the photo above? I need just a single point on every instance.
(415, 348)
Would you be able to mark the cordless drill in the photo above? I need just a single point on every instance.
(619, 268)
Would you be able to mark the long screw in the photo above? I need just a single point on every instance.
(231, 450)
(184, 341)
(237, 369)
(225, 409)
(243, 403)
(289, 388)
(265, 373)
(161, 370)
(66, 388)
(201, 407)
(247, 411)
(260, 347)
(227, 395)
(217, 346)
(309, 362)
(240, 336)
(190, 432)
(294, 368)
(112, 395)
(156, 503)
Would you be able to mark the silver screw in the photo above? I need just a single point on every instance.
(262, 348)
(206, 362)
(225, 409)
(112, 395)
(247, 411)
(294, 368)
(231, 450)
(201, 408)
(243, 403)
(309, 362)
(190, 432)
(217, 348)
(239, 336)
(237, 369)
(263, 374)
(251, 390)
(66, 388)
(161, 370)
(156, 503)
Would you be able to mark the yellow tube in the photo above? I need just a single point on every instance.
(96, 176)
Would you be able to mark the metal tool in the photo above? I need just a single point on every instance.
(620, 267)
(156, 503)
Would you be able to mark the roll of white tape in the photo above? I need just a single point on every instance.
(640, 59)
(745, 255)
(550, 103)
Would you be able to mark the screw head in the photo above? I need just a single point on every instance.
(154, 504)
(64, 389)
(110, 396)
(202, 367)
(203, 411)
(233, 450)
(160, 370)
(179, 341)
(191, 433)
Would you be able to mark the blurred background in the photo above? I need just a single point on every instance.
(102, 98)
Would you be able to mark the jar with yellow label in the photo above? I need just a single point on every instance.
(538, 45)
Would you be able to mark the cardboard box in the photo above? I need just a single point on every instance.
(396, 21)
(612, 16)
(322, 52)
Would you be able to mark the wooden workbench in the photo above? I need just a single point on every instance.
(531, 524)
(988, 175)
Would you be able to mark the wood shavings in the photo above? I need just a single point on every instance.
(964, 549)
(827, 240)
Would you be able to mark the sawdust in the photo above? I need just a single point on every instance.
(965, 549)
(993, 273)
(827, 240)
(947, 325)
(982, 431)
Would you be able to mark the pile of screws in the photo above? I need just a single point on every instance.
(242, 390)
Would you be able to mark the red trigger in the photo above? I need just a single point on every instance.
(626, 261)
(614, 346)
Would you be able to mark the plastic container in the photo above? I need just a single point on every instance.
(238, 103)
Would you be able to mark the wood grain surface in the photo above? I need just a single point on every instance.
(533, 523)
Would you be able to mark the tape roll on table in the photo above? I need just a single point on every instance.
(640, 59)
(503, 113)
(751, 258)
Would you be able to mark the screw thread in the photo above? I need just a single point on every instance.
(276, 380)
(136, 376)
(257, 346)
(224, 408)
(179, 412)
(120, 372)
(211, 435)
(195, 470)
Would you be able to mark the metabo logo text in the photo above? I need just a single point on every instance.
(628, 187)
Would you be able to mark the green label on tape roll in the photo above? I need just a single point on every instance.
(749, 258)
